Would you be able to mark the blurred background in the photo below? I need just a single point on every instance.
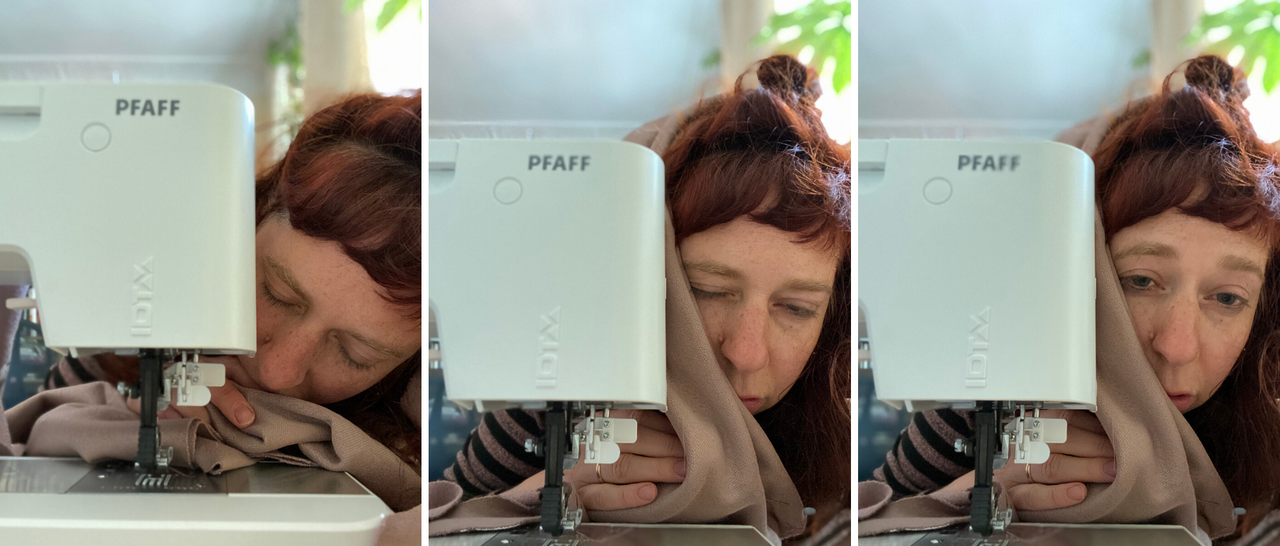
(516, 69)
(586, 69)
(1003, 69)
(290, 57)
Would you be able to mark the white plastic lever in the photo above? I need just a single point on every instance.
(1032, 436)
(192, 381)
(602, 436)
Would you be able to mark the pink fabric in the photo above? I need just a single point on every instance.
(91, 421)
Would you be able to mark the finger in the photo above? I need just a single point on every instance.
(655, 420)
(603, 496)
(652, 443)
(1083, 443)
(1086, 420)
(170, 412)
(189, 412)
(1047, 497)
(636, 469)
(232, 404)
(1068, 469)
(1076, 419)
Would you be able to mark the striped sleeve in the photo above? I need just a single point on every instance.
(493, 458)
(73, 371)
(924, 458)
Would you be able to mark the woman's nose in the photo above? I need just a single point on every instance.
(744, 344)
(282, 361)
(1177, 336)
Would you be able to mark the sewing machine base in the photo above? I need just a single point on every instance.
(1045, 534)
(617, 534)
(57, 501)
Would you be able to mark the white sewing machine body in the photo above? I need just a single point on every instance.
(976, 272)
(547, 277)
(976, 288)
(129, 209)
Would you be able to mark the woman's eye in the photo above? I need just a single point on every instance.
(798, 311)
(351, 362)
(1228, 299)
(706, 294)
(273, 300)
(1139, 281)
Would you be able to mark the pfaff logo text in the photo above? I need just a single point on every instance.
(142, 294)
(979, 342)
(559, 162)
(147, 107)
(996, 163)
(549, 347)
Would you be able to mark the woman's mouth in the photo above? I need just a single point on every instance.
(751, 403)
(1181, 400)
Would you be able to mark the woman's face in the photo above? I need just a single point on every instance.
(1192, 287)
(762, 299)
(324, 331)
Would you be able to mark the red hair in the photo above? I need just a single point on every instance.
(1194, 150)
(764, 153)
(353, 175)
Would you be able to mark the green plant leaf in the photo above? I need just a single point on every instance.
(349, 6)
(712, 59)
(1142, 59)
(842, 76)
(389, 12)
(1271, 74)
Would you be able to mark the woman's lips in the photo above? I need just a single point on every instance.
(1181, 400)
(751, 403)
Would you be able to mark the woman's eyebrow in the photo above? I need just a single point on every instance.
(1243, 265)
(712, 268)
(287, 278)
(807, 286)
(1147, 249)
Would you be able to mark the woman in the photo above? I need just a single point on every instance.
(1190, 207)
(760, 204)
(339, 286)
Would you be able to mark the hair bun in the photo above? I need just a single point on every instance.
(784, 74)
(1214, 74)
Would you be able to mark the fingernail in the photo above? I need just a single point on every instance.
(1111, 468)
(682, 467)
(1076, 492)
(648, 492)
(244, 415)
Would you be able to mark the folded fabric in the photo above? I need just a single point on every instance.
(876, 515)
(1163, 474)
(91, 421)
(734, 474)
(448, 514)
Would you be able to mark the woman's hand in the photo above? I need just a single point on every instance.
(1086, 457)
(655, 456)
(226, 398)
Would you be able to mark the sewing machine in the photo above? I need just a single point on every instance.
(547, 290)
(130, 211)
(976, 287)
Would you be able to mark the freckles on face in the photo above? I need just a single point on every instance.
(762, 299)
(1192, 287)
(325, 333)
